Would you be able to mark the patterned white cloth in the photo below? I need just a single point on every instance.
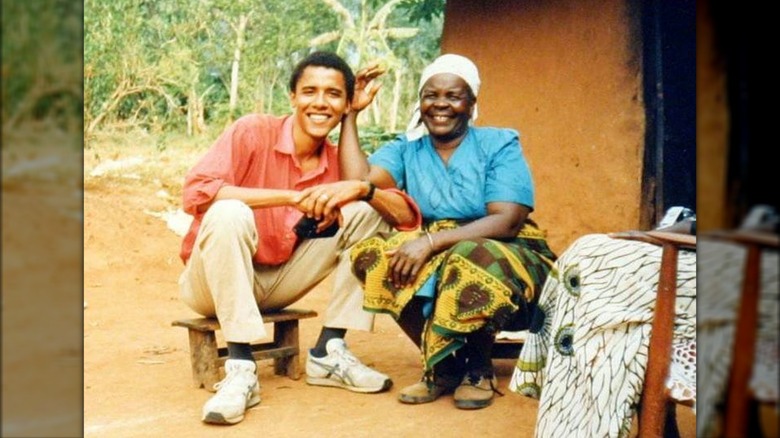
(585, 359)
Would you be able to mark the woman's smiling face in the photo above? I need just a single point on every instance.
(446, 105)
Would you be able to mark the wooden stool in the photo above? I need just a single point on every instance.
(207, 358)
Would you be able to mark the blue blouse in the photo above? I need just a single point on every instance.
(488, 166)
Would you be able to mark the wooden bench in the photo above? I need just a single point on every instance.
(207, 358)
(507, 349)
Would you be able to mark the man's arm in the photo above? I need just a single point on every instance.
(324, 200)
(395, 208)
(352, 160)
(253, 197)
(353, 163)
(214, 176)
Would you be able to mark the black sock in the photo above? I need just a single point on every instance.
(478, 349)
(326, 335)
(452, 367)
(240, 350)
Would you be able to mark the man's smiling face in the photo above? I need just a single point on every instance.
(320, 100)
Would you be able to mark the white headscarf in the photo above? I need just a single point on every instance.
(449, 63)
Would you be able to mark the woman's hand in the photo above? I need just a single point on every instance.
(365, 88)
(407, 260)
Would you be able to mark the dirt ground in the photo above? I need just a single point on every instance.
(136, 371)
(137, 379)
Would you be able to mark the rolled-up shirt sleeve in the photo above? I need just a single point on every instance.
(215, 170)
(390, 158)
(413, 206)
(508, 177)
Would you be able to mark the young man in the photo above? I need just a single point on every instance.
(242, 255)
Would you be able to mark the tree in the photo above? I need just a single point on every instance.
(363, 36)
(167, 64)
(134, 59)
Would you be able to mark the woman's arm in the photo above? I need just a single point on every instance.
(503, 220)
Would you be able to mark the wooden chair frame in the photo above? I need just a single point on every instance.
(657, 410)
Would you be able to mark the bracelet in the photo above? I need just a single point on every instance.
(370, 195)
(430, 240)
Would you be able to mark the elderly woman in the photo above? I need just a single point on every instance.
(478, 263)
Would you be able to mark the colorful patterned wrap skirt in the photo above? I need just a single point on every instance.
(476, 283)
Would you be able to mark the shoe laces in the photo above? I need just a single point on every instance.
(225, 383)
(474, 378)
(347, 356)
(428, 378)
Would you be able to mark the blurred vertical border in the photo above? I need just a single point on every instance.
(735, 165)
(736, 173)
(42, 218)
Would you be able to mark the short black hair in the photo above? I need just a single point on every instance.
(329, 60)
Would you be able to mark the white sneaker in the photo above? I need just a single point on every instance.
(238, 391)
(340, 368)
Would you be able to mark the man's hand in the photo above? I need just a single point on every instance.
(325, 199)
(328, 220)
(365, 88)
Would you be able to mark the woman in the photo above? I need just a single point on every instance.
(478, 262)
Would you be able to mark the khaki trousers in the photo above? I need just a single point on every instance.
(220, 279)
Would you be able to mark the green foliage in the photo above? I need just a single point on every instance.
(372, 137)
(420, 11)
(171, 65)
(372, 30)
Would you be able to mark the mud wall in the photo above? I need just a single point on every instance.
(567, 75)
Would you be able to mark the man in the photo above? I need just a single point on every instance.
(242, 255)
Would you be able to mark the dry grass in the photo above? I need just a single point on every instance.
(138, 158)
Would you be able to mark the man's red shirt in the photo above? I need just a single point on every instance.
(256, 151)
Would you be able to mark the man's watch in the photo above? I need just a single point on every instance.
(370, 195)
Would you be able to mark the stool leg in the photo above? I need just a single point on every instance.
(203, 355)
(286, 335)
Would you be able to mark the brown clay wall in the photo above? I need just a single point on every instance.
(567, 75)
